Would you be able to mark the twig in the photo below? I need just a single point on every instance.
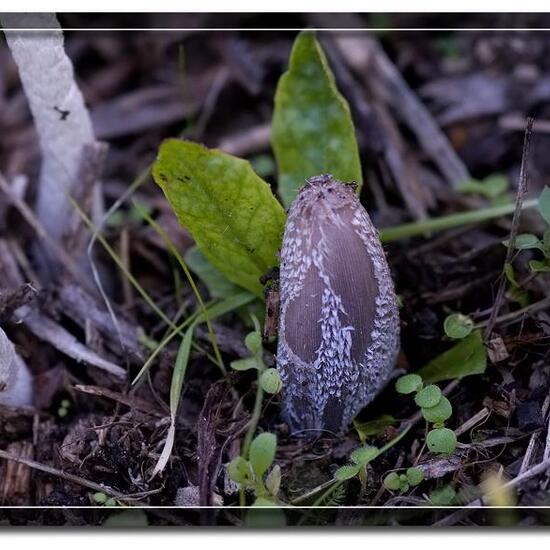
(63, 475)
(534, 437)
(44, 236)
(469, 508)
(246, 142)
(473, 421)
(48, 330)
(522, 191)
(387, 84)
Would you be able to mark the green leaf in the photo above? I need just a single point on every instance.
(509, 272)
(373, 427)
(458, 326)
(491, 187)
(495, 185)
(273, 480)
(443, 496)
(441, 441)
(262, 453)
(415, 476)
(539, 267)
(231, 212)
(392, 481)
(312, 129)
(438, 413)
(365, 454)
(525, 241)
(544, 204)
(239, 470)
(464, 359)
(409, 383)
(244, 364)
(270, 380)
(253, 342)
(428, 396)
(216, 282)
(346, 472)
(100, 498)
(403, 483)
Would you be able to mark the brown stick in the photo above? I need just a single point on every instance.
(522, 191)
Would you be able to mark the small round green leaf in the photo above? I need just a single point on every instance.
(392, 481)
(363, 455)
(409, 383)
(262, 453)
(441, 412)
(414, 476)
(253, 341)
(347, 472)
(441, 440)
(428, 396)
(100, 498)
(495, 185)
(443, 496)
(458, 326)
(239, 470)
(270, 380)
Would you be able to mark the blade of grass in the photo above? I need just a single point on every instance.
(180, 367)
(216, 310)
(422, 227)
(175, 252)
(150, 302)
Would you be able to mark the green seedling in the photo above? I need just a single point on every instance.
(435, 408)
(443, 496)
(457, 326)
(261, 451)
(251, 474)
(494, 188)
(101, 499)
(403, 482)
(64, 408)
(529, 241)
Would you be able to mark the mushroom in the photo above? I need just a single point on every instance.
(15, 378)
(339, 321)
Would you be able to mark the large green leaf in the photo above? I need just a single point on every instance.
(231, 212)
(464, 359)
(312, 130)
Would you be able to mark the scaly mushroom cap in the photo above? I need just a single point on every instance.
(339, 322)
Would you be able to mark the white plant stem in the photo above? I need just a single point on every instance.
(15, 379)
(62, 121)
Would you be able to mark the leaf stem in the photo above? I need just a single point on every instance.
(441, 223)
(255, 418)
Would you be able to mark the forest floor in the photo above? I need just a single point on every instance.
(90, 433)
